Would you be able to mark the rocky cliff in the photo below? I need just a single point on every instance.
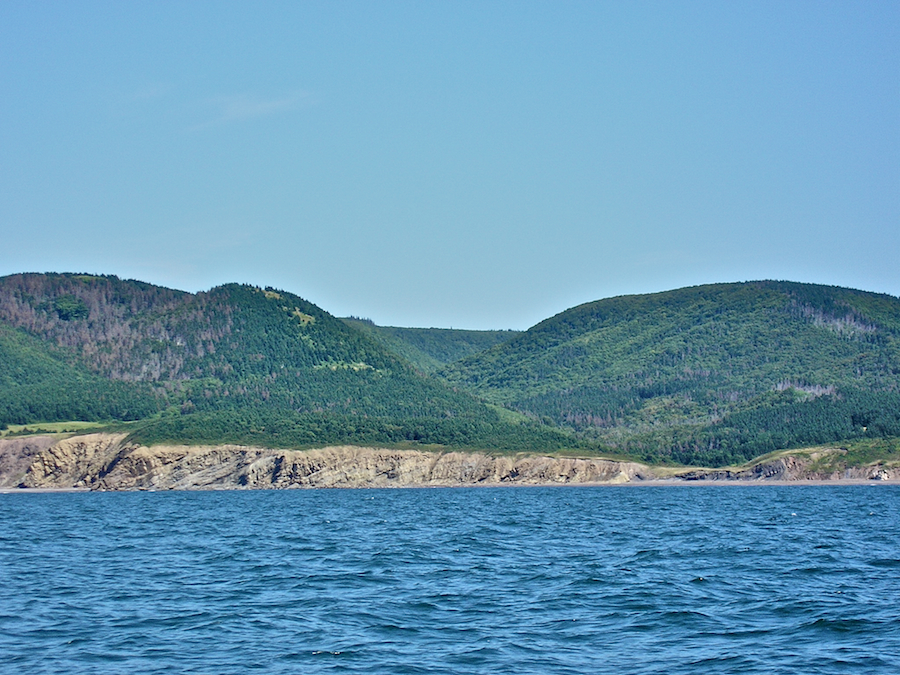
(109, 462)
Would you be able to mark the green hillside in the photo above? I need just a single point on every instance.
(710, 374)
(38, 383)
(430, 349)
(236, 363)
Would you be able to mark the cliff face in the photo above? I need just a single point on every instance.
(107, 462)
(72, 462)
(17, 455)
(796, 468)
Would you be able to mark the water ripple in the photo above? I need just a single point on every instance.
(773, 579)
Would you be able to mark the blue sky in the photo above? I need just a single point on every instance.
(465, 164)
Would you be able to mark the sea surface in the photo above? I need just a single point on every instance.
(686, 579)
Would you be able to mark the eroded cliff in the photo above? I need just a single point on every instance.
(109, 462)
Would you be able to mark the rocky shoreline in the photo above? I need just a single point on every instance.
(109, 462)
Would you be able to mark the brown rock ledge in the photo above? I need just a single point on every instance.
(108, 462)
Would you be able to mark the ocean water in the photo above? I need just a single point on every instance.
(688, 579)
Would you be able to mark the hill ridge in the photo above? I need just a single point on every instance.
(236, 362)
(669, 371)
(710, 374)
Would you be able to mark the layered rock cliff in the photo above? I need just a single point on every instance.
(109, 462)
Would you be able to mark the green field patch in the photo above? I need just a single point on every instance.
(74, 427)
(305, 319)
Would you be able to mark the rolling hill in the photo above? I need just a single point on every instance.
(237, 363)
(709, 374)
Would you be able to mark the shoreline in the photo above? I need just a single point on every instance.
(108, 462)
(664, 483)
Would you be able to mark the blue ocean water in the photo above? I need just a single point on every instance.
(689, 579)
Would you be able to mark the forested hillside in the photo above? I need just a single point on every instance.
(430, 349)
(38, 383)
(706, 375)
(95, 348)
(709, 374)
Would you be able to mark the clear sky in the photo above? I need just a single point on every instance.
(465, 164)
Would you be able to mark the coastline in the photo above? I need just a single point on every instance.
(107, 462)
(838, 482)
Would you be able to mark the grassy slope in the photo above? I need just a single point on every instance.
(835, 457)
(861, 452)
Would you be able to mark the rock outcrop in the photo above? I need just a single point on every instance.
(17, 455)
(798, 467)
(109, 462)
(72, 462)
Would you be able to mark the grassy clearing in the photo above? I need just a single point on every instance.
(862, 452)
(837, 456)
(73, 427)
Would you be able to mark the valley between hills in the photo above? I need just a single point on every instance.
(243, 386)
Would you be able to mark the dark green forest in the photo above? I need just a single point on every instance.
(290, 429)
(430, 349)
(709, 375)
(238, 364)
(38, 383)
